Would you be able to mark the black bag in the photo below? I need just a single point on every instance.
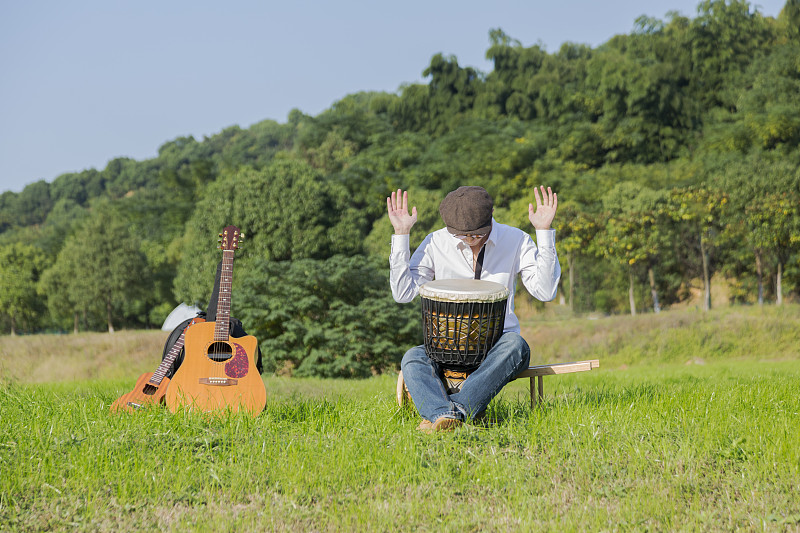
(236, 329)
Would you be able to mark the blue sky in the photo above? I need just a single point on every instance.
(85, 81)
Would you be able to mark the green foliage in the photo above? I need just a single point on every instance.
(331, 139)
(78, 187)
(642, 82)
(330, 318)
(789, 20)
(724, 39)
(767, 110)
(451, 92)
(637, 233)
(287, 212)
(99, 271)
(765, 200)
(389, 162)
(26, 208)
(575, 231)
(631, 230)
(699, 214)
(21, 266)
(528, 83)
(675, 107)
(65, 215)
(378, 242)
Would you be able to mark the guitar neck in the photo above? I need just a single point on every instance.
(223, 319)
(166, 363)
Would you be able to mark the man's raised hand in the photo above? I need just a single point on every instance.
(397, 206)
(545, 211)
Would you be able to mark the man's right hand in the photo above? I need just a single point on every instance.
(397, 206)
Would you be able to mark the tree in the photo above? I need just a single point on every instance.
(437, 107)
(774, 222)
(763, 221)
(632, 234)
(575, 229)
(378, 243)
(789, 20)
(640, 82)
(698, 212)
(61, 284)
(65, 215)
(78, 187)
(509, 85)
(101, 266)
(724, 39)
(21, 266)
(333, 317)
(287, 211)
(32, 204)
(767, 110)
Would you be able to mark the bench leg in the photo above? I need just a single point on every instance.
(541, 387)
(533, 395)
(537, 395)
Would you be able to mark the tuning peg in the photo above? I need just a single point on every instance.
(241, 236)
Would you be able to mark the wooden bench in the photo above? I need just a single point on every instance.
(540, 371)
(536, 372)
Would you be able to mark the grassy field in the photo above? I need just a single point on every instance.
(692, 423)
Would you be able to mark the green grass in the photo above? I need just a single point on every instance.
(640, 444)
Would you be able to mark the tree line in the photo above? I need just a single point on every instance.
(674, 151)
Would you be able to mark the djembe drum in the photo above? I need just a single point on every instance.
(461, 320)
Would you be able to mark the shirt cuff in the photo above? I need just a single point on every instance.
(400, 243)
(545, 237)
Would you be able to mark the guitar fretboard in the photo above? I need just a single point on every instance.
(222, 325)
(166, 363)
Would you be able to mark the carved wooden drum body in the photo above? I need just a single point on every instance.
(461, 320)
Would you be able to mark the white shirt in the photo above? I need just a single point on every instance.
(509, 251)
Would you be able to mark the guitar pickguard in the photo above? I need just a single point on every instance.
(238, 365)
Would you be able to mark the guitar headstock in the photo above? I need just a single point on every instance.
(230, 238)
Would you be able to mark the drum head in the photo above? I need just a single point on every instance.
(464, 290)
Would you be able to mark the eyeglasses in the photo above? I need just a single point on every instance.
(468, 236)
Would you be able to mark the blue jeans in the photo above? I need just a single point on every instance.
(510, 356)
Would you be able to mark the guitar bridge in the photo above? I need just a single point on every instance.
(218, 382)
(135, 405)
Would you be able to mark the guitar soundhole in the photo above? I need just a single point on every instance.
(149, 389)
(220, 351)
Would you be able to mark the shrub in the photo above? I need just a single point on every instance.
(330, 318)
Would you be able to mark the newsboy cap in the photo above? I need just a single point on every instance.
(467, 210)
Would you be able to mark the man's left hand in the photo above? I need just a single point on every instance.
(545, 211)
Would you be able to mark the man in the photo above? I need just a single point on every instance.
(453, 252)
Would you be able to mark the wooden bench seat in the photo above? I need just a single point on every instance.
(535, 372)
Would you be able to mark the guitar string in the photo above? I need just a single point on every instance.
(226, 272)
(225, 290)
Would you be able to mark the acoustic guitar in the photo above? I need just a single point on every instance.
(151, 387)
(218, 372)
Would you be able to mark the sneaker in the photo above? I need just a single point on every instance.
(443, 423)
(446, 424)
(425, 425)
